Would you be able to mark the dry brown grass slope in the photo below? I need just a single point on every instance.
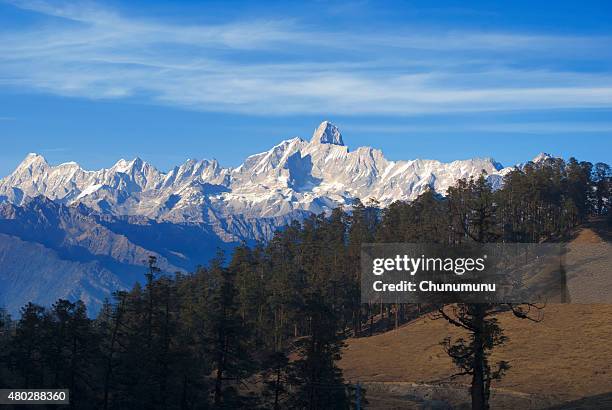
(566, 357)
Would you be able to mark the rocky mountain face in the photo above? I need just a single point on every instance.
(293, 178)
(65, 220)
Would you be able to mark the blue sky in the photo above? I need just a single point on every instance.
(95, 82)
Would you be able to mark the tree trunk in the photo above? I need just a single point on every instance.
(478, 390)
(109, 362)
(184, 405)
(73, 367)
(371, 311)
(396, 316)
(221, 357)
(277, 388)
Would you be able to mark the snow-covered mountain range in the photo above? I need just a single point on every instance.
(248, 202)
(71, 233)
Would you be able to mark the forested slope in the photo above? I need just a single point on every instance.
(267, 327)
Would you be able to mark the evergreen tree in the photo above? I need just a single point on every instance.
(28, 346)
(228, 338)
(74, 347)
(321, 385)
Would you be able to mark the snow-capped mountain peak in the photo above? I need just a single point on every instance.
(542, 156)
(327, 133)
(32, 159)
(125, 166)
(105, 217)
(292, 179)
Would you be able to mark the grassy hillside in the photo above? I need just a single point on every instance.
(566, 357)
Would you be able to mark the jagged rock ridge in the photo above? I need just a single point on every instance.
(293, 178)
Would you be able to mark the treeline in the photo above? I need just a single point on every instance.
(265, 329)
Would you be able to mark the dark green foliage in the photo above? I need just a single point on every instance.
(26, 357)
(227, 336)
(319, 380)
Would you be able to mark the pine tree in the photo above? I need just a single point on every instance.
(321, 385)
(279, 378)
(26, 348)
(74, 349)
(228, 338)
(474, 208)
(109, 326)
(362, 228)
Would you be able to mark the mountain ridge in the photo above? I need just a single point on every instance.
(95, 228)
(294, 176)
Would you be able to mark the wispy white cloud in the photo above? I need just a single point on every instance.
(528, 128)
(284, 67)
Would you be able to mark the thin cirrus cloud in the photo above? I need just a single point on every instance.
(285, 67)
(528, 128)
